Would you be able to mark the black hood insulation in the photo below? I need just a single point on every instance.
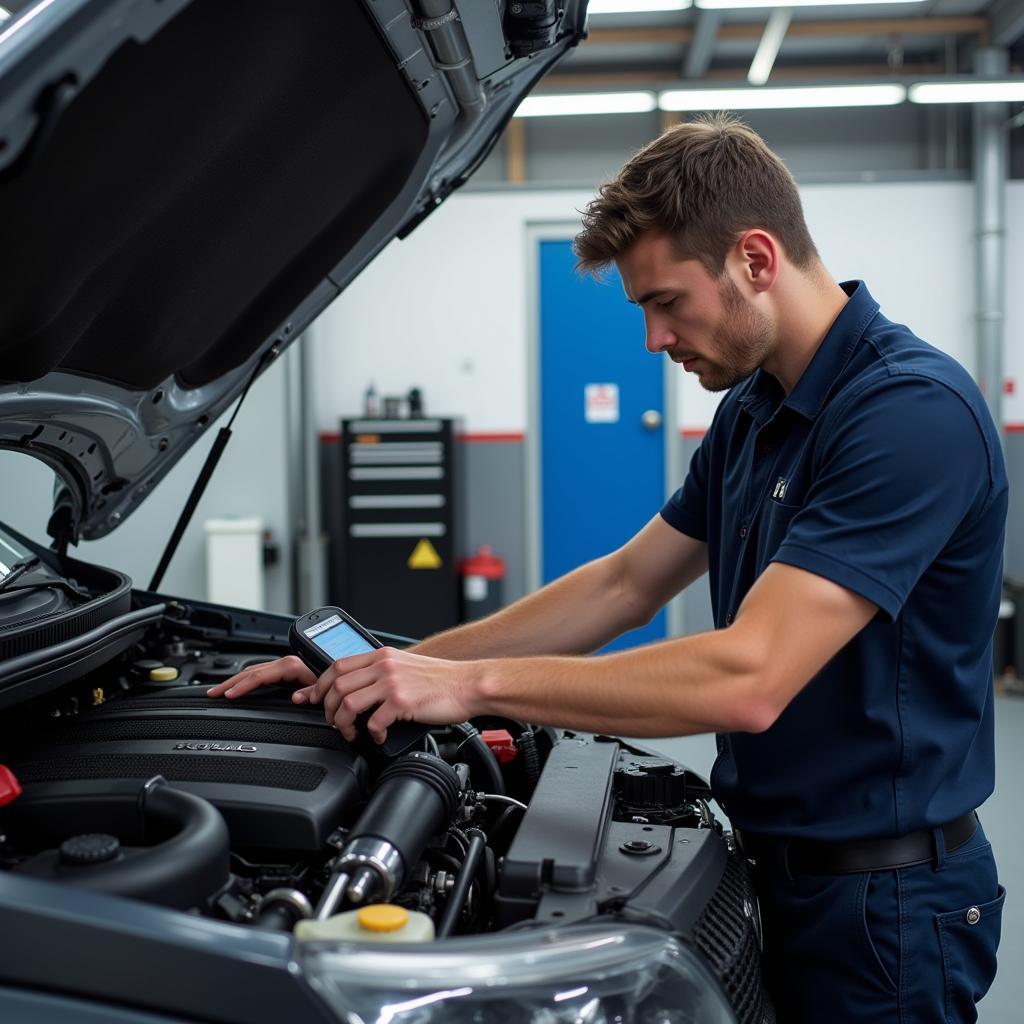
(189, 197)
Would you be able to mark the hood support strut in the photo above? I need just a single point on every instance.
(219, 444)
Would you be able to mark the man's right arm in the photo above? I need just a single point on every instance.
(576, 614)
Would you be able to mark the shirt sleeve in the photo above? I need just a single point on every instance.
(687, 509)
(905, 467)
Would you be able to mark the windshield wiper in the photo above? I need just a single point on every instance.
(18, 570)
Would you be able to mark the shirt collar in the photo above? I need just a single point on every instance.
(764, 393)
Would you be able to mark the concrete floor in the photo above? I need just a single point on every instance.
(1004, 825)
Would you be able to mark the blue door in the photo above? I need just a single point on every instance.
(601, 433)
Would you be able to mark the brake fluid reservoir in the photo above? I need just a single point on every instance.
(378, 922)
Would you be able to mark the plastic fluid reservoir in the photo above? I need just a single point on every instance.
(377, 922)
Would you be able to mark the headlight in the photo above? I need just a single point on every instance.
(594, 974)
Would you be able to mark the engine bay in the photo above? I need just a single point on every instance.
(135, 784)
(293, 795)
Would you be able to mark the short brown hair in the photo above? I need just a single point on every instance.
(704, 182)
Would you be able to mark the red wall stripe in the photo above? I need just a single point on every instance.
(332, 437)
(692, 433)
(492, 437)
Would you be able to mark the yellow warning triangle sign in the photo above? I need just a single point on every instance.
(425, 556)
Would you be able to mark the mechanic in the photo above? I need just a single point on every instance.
(849, 504)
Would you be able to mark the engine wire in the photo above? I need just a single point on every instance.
(501, 799)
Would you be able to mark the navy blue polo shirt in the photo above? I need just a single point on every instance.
(881, 471)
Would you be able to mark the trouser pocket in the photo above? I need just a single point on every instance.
(969, 939)
(879, 912)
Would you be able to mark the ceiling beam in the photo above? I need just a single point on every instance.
(886, 27)
(628, 36)
(801, 29)
(698, 55)
(798, 72)
(566, 82)
(515, 150)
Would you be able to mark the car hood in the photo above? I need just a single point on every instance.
(184, 186)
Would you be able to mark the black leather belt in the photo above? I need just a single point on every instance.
(805, 857)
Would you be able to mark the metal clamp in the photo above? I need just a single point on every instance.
(433, 24)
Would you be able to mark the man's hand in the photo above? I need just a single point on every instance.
(407, 687)
(285, 670)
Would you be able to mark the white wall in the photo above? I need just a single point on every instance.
(448, 308)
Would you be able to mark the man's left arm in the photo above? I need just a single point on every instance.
(905, 467)
(737, 679)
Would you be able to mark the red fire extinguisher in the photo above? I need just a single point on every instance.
(481, 583)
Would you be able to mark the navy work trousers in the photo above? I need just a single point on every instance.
(914, 945)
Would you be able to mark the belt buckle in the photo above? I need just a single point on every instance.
(771, 856)
(780, 855)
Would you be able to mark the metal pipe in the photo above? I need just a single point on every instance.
(950, 113)
(311, 543)
(282, 908)
(294, 487)
(990, 172)
(365, 881)
(501, 799)
(448, 39)
(332, 895)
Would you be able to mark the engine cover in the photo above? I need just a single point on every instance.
(278, 774)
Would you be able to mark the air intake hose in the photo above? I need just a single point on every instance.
(415, 798)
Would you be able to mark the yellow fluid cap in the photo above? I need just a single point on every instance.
(163, 674)
(383, 917)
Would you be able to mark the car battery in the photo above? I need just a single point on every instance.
(395, 554)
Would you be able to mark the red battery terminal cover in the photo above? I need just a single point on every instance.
(501, 743)
(10, 788)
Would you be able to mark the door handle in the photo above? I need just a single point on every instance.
(651, 419)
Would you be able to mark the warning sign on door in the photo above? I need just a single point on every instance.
(601, 403)
(424, 556)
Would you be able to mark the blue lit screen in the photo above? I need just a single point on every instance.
(337, 639)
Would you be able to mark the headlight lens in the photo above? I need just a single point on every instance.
(594, 974)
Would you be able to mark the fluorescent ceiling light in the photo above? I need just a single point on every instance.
(768, 48)
(884, 95)
(739, 5)
(967, 92)
(636, 6)
(588, 103)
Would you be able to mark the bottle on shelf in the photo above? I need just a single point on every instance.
(371, 402)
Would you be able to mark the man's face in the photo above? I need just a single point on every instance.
(702, 322)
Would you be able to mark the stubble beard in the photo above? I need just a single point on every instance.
(743, 341)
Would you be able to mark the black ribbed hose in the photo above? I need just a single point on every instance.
(488, 761)
(527, 744)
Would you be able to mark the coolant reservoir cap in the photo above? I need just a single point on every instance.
(383, 917)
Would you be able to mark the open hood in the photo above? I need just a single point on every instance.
(186, 184)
